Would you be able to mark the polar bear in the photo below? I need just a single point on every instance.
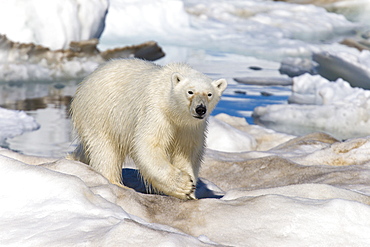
(157, 115)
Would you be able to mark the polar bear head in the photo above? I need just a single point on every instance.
(195, 94)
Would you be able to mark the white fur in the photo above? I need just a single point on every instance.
(135, 108)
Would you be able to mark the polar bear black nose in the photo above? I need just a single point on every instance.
(201, 110)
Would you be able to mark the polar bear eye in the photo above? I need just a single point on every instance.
(190, 92)
(209, 95)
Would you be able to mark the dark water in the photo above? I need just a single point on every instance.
(48, 103)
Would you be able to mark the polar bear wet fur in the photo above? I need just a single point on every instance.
(155, 114)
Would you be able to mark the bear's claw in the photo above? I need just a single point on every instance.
(183, 186)
(191, 196)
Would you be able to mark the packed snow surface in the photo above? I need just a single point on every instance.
(311, 191)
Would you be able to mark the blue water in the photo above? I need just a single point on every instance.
(235, 103)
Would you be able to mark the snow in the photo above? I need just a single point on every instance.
(223, 130)
(221, 38)
(242, 27)
(145, 19)
(39, 25)
(355, 10)
(257, 187)
(265, 30)
(280, 200)
(53, 24)
(226, 142)
(320, 105)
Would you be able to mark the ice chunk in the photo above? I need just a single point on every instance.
(351, 69)
(297, 66)
(53, 24)
(221, 137)
(265, 81)
(335, 109)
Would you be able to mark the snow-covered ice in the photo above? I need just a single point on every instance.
(263, 29)
(226, 143)
(52, 24)
(39, 25)
(354, 10)
(320, 105)
(258, 187)
(264, 198)
(243, 27)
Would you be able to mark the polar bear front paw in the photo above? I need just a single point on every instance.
(181, 186)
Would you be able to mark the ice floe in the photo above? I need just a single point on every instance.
(294, 193)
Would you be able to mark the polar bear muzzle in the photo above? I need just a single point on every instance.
(198, 106)
(200, 110)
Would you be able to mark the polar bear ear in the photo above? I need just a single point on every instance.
(176, 78)
(220, 85)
